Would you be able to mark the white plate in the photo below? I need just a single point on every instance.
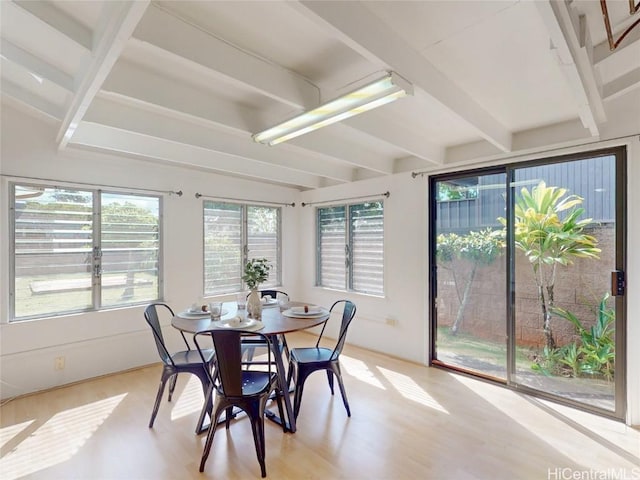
(319, 312)
(266, 302)
(189, 314)
(312, 310)
(246, 324)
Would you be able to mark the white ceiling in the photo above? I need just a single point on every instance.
(189, 82)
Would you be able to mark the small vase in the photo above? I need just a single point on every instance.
(254, 305)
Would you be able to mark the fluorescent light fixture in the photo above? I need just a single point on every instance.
(375, 94)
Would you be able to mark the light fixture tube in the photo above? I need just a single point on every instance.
(375, 94)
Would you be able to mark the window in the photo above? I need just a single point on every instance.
(452, 190)
(78, 250)
(350, 247)
(234, 233)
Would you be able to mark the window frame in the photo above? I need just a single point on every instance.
(97, 241)
(245, 254)
(349, 239)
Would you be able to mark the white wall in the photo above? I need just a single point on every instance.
(102, 342)
(405, 246)
(108, 341)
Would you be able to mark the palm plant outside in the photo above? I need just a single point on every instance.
(548, 239)
(596, 354)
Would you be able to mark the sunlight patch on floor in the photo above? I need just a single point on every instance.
(189, 400)
(358, 369)
(7, 433)
(58, 439)
(538, 417)
(410, 390)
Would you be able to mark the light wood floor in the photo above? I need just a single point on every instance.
(409, 422)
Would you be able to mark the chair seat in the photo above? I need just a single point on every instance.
(306, 360)
(188, 357)
(256, 382)
(311, 354)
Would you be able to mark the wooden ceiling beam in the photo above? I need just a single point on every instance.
(136, 84)
(229, 63)
(111, 36)
(36, 66)
(364, 32)
(153, 121)
(60, 21)
(125, 142)
(570, 41)
(31, 100)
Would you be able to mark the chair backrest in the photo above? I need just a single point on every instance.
(228, 348)
(272, 293)
(151, 316)
(348, 312)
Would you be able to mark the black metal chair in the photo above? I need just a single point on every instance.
(273, 293)
(234, 387)
(304, 361)
(187, 361)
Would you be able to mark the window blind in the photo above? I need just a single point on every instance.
(350, 249)
(263, 227)
(332, 242)
(222, 248)
(366, 247)
(130, 246)
(234, 233)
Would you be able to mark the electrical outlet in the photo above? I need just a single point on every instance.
(58, 363)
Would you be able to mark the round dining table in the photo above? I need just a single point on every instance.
(276, 322)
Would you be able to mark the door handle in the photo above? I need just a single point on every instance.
(617, 283)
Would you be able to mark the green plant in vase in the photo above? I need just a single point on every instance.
(256, 271)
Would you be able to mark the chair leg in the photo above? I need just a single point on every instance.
(208, 397)
(227, 417)
(172, 385)
(289, 373)
(279, 396)
(257, 427)
(203, 413)
(156, 406)
(330, 379)
(210, 434)
(297, 395)
(338, 373)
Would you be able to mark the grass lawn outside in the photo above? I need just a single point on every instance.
(489, 358)
(42, 295)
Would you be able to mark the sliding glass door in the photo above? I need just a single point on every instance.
(564, 236)
(527, 270)
(470, 261)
